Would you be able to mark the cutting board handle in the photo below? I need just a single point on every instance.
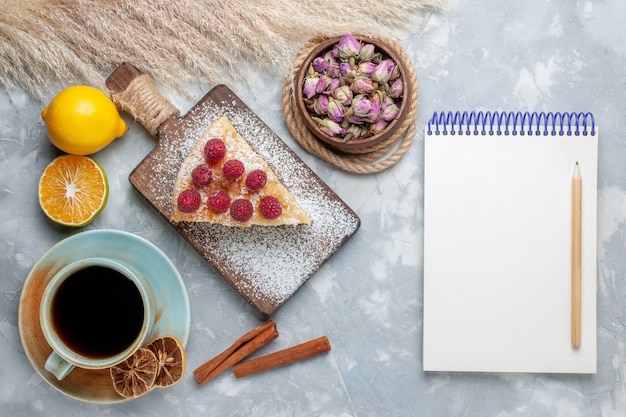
(134, 92)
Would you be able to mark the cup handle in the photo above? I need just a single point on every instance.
(58, 366)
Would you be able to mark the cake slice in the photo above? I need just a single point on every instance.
(224, 181)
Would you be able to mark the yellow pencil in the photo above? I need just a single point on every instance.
(576, 255)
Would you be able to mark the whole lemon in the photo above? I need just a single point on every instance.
(81, 120)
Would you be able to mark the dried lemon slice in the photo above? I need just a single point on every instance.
(170, 355)
(136, 375)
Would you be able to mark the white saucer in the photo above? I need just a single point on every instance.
(144, 258)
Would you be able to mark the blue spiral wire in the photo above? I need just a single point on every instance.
(512, 123)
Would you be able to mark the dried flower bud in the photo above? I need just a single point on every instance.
(383, 70)
(335, 83)
(366, 68)
(333, 70)
(319, 64)
(361, 105)
(310, 85)
(350, 117)
(336, 111)
(356, 132)
(348, 46)
(395, 74)
(322, 84)
(343, 95)
(363, 85)
(396, 89)
(367, 52)
(347, 70)
(374, 113)
(389, 109)
(311, 71)
(328, 126)
(320, 104)
(379, 126)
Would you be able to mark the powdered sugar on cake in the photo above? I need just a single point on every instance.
(229, 173)
(267, 264)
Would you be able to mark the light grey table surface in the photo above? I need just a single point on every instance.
(535, 55)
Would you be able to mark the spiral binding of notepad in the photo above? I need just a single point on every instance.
(511, 123)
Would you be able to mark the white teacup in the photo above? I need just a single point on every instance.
(95, 313)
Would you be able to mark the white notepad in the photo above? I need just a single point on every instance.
(498, 242)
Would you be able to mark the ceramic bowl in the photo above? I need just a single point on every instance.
(336, 141)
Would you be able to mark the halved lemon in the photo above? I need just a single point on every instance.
(73, 190)
(170, 355)
(136, 375)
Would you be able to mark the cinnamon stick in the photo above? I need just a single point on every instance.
(283, 357)
(241, 349)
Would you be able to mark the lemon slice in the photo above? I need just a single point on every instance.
(170, 355)
(136, 375)
(73, 190)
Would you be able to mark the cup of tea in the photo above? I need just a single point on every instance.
(95, 313)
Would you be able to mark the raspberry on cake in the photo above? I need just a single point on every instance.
(233, 169)
(270, 207)
(202, 175)
(219, 201)
(214, 150)
(189, 201)
(241, 210)
(256, 179)
(243, 190)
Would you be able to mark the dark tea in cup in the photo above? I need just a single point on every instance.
(97, 312)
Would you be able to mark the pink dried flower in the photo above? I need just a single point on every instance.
(310, 86)
(363, 85)
(356, 132)
(366, 68)
(336, 111)
(389, 109)
(350, 117)
(319, 64)
(367, 52)
(396, 89)
(361, 105)
(374, 114)
(333, 70)
(343, 95)
(347, 71)
(328, 126)
(322, 84)
(378, 126)
(348, 46)
(335, 83)
(320, 104)
(331, 56)
(383, 70)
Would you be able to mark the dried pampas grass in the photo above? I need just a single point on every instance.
(47, 43)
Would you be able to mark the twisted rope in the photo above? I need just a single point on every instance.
(144, 103)
(361, 161)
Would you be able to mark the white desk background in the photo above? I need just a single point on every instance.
(535, 55)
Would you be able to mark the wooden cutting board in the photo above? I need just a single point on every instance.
(265, 265)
